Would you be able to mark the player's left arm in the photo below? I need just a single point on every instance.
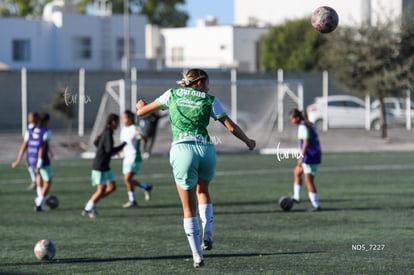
(219, 114)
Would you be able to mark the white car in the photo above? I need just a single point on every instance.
(344, 112)
(397, 107)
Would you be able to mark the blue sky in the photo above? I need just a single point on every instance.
(222, 9)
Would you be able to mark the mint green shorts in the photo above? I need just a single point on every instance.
(46, 173)
(191, 161)
(99, 177)
(131, 167)
(310, 168)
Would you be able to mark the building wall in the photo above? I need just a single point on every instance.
(219, 46)
(37, 32)
(53, 46)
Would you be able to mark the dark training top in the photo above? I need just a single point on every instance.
(105, 150)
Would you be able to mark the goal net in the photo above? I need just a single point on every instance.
(113, 101)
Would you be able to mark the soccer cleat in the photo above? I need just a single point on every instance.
(314, 209)
(198, 261)
(207, 245)
(147, 193)
(130, 204)
(91, 214)
(295, 200)
(40, 209)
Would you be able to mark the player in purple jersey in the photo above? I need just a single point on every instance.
(32, 119)
(36, 145)
(309, 160)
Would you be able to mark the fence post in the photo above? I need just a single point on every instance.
(280, 100)
(233, 79)
(81, 102)
(325, 101)
(24, 99)
(408, 110)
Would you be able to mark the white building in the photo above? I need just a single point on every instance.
(212, 46)
(351, 12)
(66, 41)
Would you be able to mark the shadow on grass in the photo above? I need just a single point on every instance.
(170, 257)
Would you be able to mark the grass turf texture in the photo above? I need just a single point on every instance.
(367, 200)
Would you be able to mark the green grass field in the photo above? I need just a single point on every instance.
(367, 200)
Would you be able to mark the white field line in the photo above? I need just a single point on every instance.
(244, 172)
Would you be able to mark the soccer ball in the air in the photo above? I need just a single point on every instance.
(324, 19)
(286, 203)
(52, 202)
(44, 250)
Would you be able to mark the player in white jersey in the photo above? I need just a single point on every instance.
(192, 154)
(132, 159)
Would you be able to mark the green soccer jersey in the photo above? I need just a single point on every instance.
(190, 112)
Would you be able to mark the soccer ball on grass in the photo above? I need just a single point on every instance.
(52, 202)
(44, 250)
(286, 203)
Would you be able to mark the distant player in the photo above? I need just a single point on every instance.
(102, 176)
(192, 154)
(32, 119)
(132, 159)
(308, 162)
(148, 129)
(37, 143)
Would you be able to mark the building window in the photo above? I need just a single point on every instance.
(82, 47)
(177, 54)
(21, 50)
(120, 48)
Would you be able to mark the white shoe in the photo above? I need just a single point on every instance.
(147, 193)
(198, 261)
(146, 156)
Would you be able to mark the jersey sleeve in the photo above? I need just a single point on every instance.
(303, 132)
(217, 112)
(47, 135)
(26, 136)
(164, 99)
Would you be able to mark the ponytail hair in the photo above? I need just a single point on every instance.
(192, 76)
(296, 113)
(110, 118)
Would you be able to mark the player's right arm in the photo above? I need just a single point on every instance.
(22, 150)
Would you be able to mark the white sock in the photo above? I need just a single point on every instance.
(297, 189)
(89, 205)
(192, 231)
(314, 198)
(206, 216)
(39, 190)
(39, 200)
(32, 174)
(131, 196)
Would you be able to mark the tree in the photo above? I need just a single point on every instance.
(63, 105)
(292, 46)
(22, 8)
(163, 13)
(373, 60)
